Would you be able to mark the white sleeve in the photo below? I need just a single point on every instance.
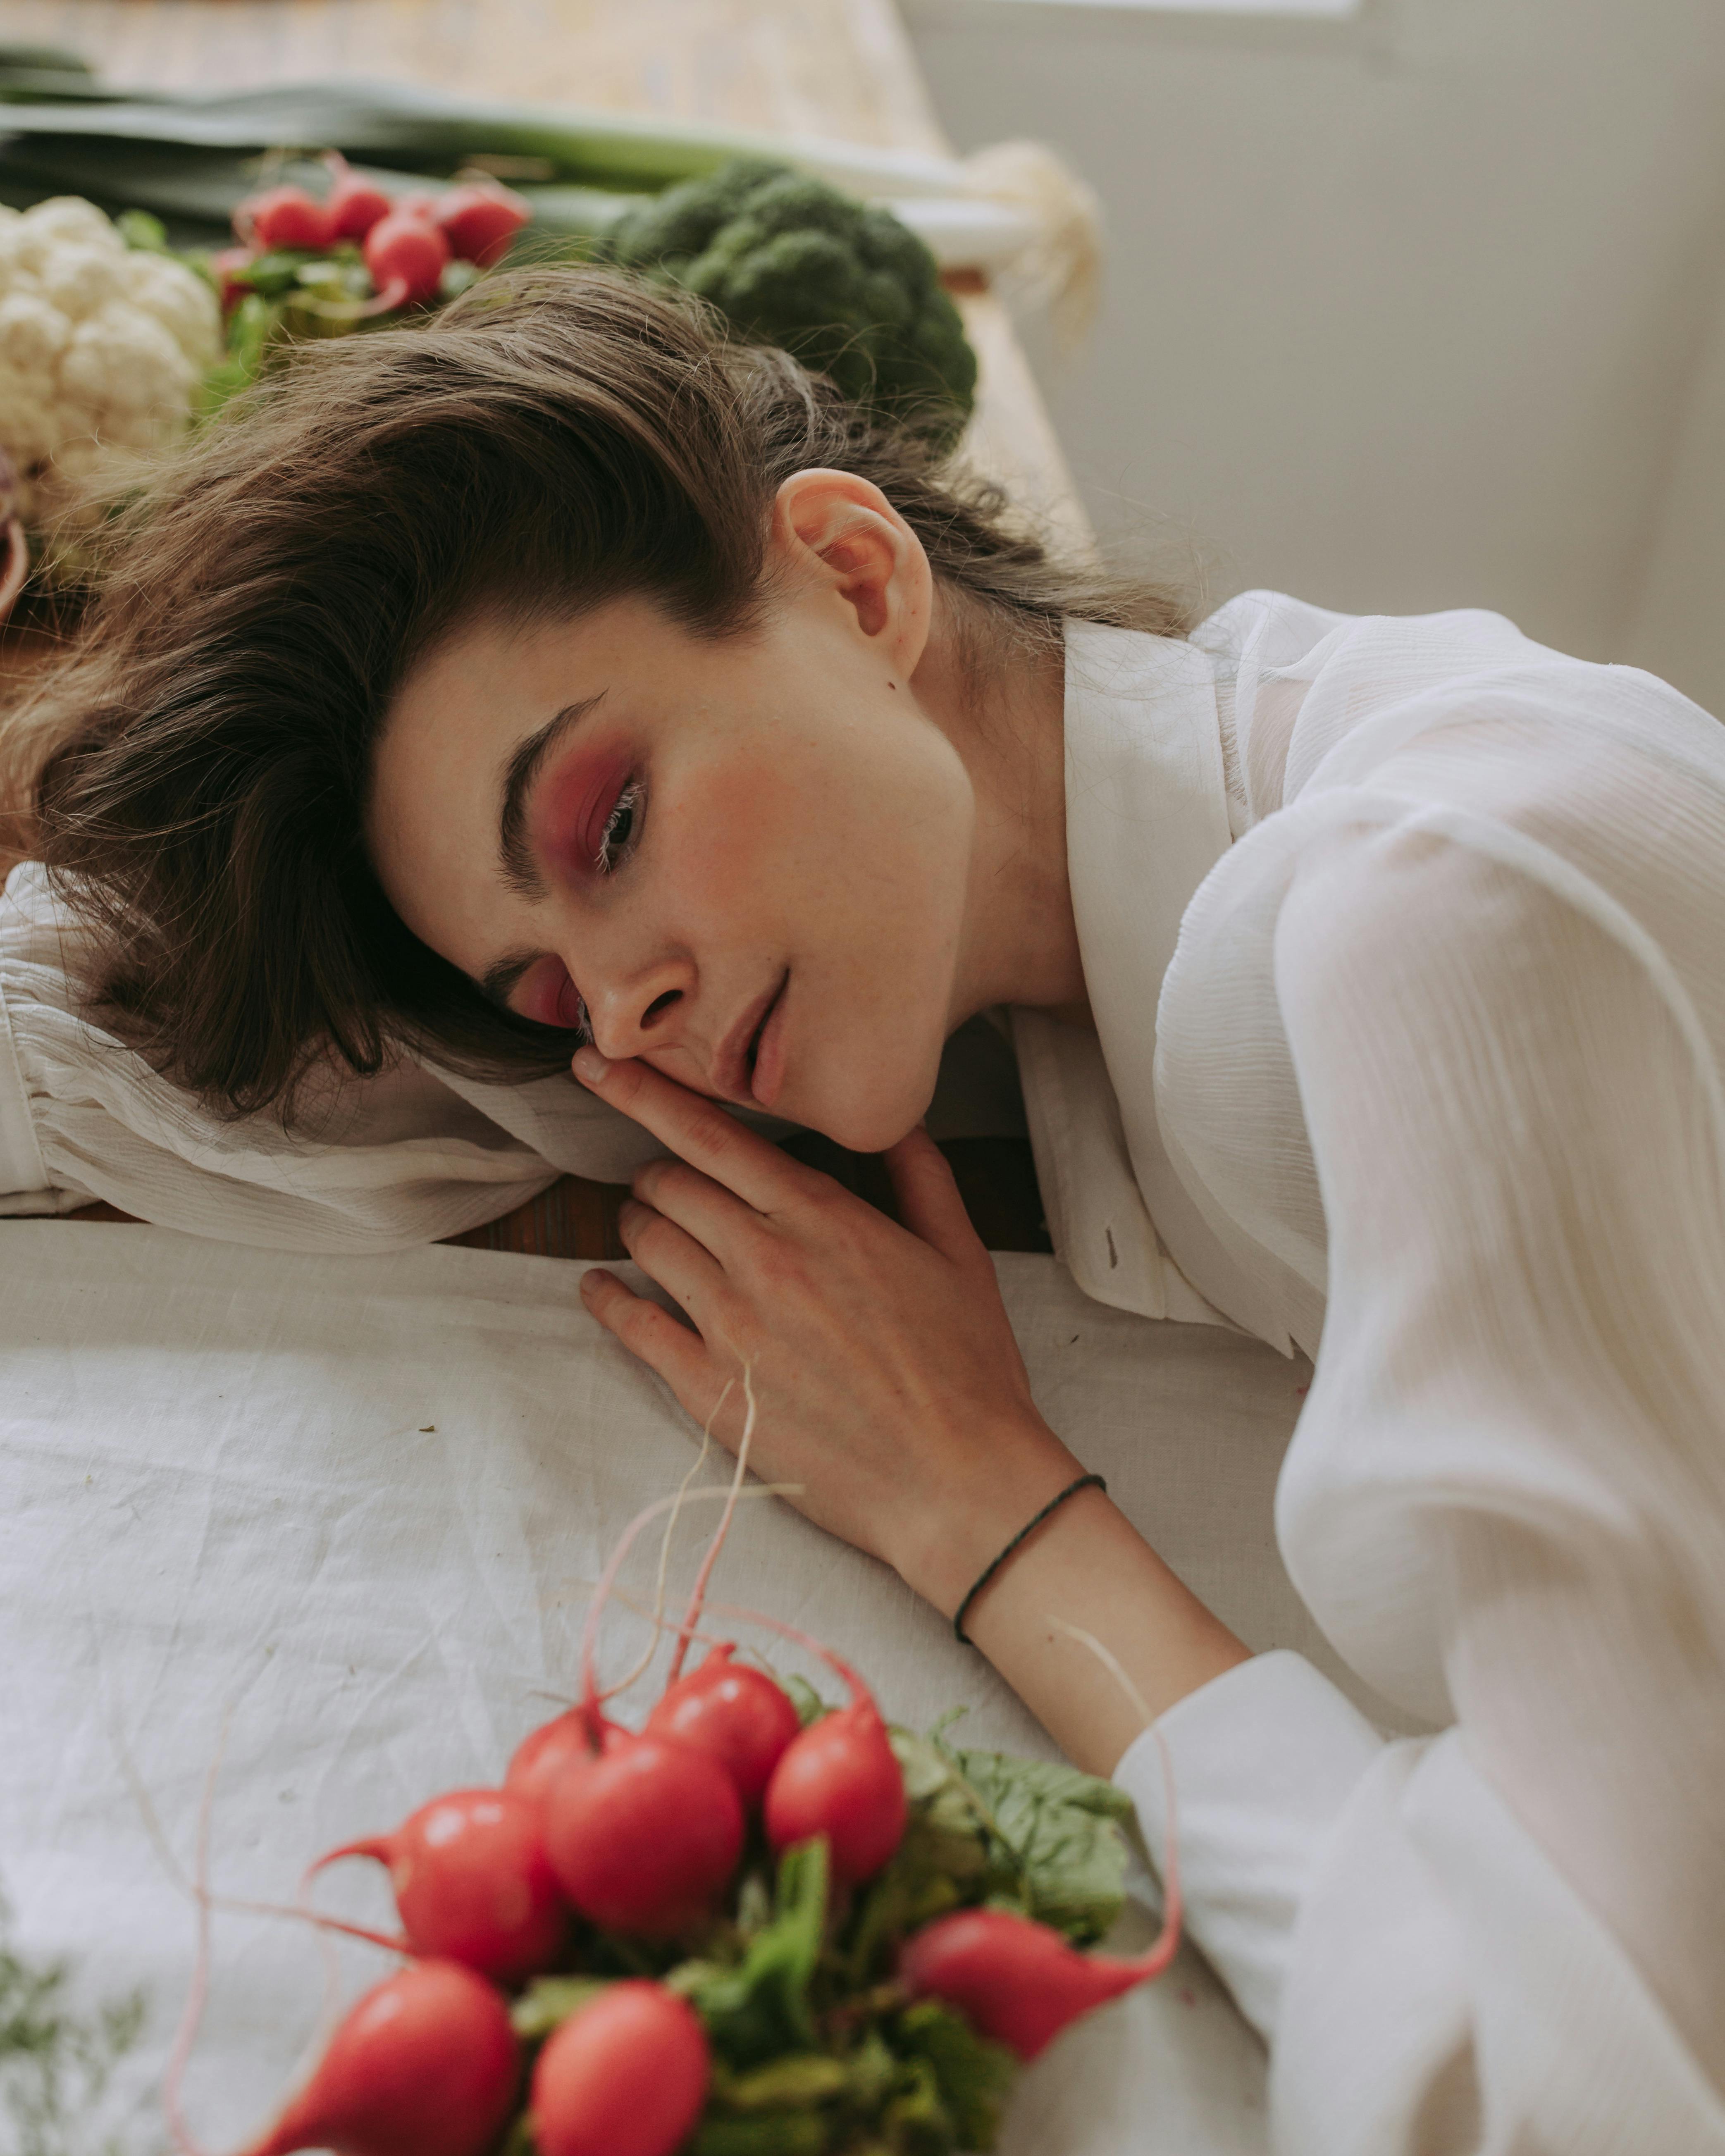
(1506, 1490)
(380, 1164)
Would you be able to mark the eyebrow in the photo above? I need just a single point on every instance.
(513, 852)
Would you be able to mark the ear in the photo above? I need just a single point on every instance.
(840, 532)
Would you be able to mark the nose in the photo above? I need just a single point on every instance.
(639, 1010)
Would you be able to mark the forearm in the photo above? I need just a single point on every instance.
(1087, 1567)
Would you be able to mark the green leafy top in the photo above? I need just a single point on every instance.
(54, 2060)
(1063, 1830)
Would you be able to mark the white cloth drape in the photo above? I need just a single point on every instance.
(361, 1501)
(402, 1159)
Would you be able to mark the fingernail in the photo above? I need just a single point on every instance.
(590, 1067)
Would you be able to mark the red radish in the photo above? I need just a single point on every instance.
(1016, 1981)
(407, 257)
(285, 216)
(543, 1752)
(1019, 1982)
(740, 1716)
(425, 2065)
(418, 204)
(227, 267)
(480, 219)
(355, 205)
(839, 1778)
(642, 1839)
(472, 1882)
(626, 2075)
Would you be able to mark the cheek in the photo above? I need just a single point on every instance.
(735, 843)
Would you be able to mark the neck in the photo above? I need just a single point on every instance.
(1007, 722)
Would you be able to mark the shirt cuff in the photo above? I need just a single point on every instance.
(1264, 1758)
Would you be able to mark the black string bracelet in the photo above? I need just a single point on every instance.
(1030, 1527)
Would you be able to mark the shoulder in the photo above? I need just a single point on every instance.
(1317, 700)
(1462, 814)
(1276, 629)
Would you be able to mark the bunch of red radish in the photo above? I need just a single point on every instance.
(639, 1833)
(407, 242)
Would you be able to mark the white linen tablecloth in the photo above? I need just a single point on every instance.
(357, 1502)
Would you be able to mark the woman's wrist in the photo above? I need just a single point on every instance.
(1084, 1566)
(941, 1550)
(1087, 1568)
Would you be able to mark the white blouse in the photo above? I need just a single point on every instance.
(1405, 945)
(1405, 942)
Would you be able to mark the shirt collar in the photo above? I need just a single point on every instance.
(1146, 819)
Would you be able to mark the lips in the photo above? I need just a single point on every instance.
(736, 1065)
(767, 1074)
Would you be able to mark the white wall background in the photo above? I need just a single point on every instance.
(1406, 311)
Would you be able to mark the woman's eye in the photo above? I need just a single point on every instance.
(549, 996)
(623, 828)
(571, 1011)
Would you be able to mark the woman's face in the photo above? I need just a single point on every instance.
(748, 862)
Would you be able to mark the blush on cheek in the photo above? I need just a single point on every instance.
(740, 846)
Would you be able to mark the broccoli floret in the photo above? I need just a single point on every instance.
(680, 223)
(843, 285)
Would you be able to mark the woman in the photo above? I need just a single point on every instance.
(557, 681)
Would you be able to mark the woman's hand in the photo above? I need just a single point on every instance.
(889, 1387)
(888, 1382)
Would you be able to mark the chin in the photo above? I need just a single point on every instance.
(872, 1124)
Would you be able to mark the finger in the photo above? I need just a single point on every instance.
(715, 1216)
(650, 1334)
(695, 1129)
(671, 1255)
(928, 1201)
(671, 1351)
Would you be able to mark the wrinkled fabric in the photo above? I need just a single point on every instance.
(361, 1502)
(380, 1164)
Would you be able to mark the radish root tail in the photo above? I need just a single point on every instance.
(841, 1669)
(691, 1616)
(173, 2079)
(665, 1540)
(590, 1697)
(378, 1852)
(1163, 1949)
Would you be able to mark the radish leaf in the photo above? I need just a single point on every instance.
(1061, 1830)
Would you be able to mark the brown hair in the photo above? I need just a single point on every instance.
(558, 438)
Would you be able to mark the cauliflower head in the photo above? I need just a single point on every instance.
(843, 285)
(101, 348)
